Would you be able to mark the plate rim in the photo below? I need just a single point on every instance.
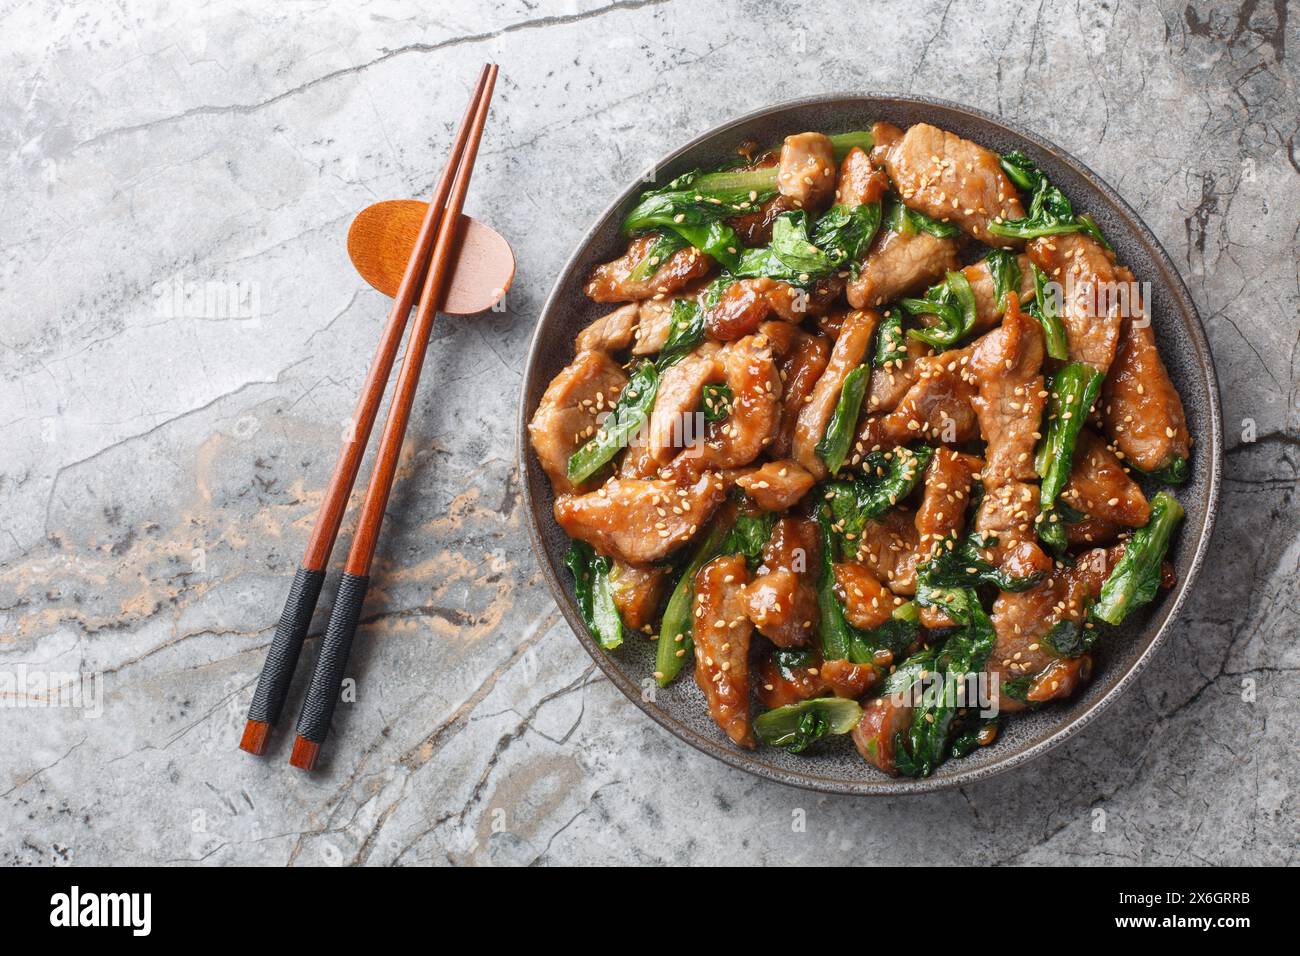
(881, 785)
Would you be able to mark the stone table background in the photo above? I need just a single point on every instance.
(161, 463)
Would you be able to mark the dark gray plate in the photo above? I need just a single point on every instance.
(835, 766)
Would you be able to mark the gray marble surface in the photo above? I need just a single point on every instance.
(161, 463)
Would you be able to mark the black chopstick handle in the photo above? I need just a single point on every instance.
(323, 694)
(282, 658)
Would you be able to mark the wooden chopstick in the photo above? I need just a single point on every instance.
(322, 695)
(295, 619)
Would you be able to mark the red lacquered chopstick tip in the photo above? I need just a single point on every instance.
(304, 753)
(257, 733)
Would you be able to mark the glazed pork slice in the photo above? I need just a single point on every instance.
(1091, 531)
(950, 179)
(1023, 619)
(755, 228)
(942, 513)
(1007, 513)
(613, 282)
(751, 374)
(637, 591)
(569, 410)
(850, 349)
(1100, 488)
(739, 311)
(654, 322)
(1141, 411)
(681, 389)
(1092, 305)
(883, 719)
(867, 603)
(610, 333)
(638, 461)
(1007, 364)
(800, 369)
(937, 408)
(946, 494)
(722, 634)
(890, 382)
(887, 547)
(638, 521)
(781, 600)
(794, 305)
(807, 171)
(988, 309)
(777, 684)
(899, 264)
(777, 485)
(859, 181)
(746, 304)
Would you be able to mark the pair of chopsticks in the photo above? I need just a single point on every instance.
(427, 271)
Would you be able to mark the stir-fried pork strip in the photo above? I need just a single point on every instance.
(847, 679)
(951, 179)
(755, 228)
(1141, 410)
(942, 514)
(890, 382)
(745, 304)
(948, 481)
(780, 603)
(988, 308)
(887, 547)
(938, 408)
(777, 686)
(1007, 364)
(1099, 487)
(885, 136)
(867, 603)
(777, 485)
(1060, 679)
(1092, 531)
(801, 368)
(569, 409)
(639, 521)
(1007, 512)
(1092, 303)
(639, 460)
(781, 337)
(794, 305)
(781, 600)
(610, 333)
(637, 591)
(681, 389)
(807, 171)
(722, 634)
(883, 719)
(654, 323)
(899, 264)
(1021, 621)
(860, 182)
(750, 372)
(856, 331)
(613, 282)
(740, 310)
